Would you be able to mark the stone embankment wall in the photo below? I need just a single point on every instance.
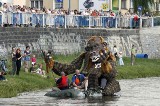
(68, 41)
(150, 40)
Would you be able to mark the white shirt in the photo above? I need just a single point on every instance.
(115, 50)
(71, 13)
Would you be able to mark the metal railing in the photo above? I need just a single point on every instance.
(77, 21)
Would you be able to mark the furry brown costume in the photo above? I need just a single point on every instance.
(97, 60)
(48, 60)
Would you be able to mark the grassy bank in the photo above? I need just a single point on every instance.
(29, 82)
(24, 83)
(142, 68)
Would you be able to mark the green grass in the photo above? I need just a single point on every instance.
(28, 82)
(142, 68)
(25, 82)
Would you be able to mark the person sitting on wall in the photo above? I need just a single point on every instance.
(79, 80)
(62, 83)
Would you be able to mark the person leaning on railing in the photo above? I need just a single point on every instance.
(82, 20)
(135, 19)
(94, 15)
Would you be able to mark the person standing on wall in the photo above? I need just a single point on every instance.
(18, 60)
(27, 54)
(133, 55)
(13, 60)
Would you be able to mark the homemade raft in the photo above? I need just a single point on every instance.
(71, 93)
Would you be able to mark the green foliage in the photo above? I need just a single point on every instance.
(24, 83)
(142, 68)
(66, 58)
(146, 4)
(28, 82)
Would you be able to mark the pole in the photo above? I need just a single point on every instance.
(69, 5)
(43, 20)
(131, 6)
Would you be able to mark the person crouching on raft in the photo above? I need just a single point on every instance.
(79, 80)
(62, 82)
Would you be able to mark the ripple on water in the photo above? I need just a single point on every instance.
(141, 92)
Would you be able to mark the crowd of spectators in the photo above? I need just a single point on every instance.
(123, 20)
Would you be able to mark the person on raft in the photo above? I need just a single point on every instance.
(62, 82)
(79, 81)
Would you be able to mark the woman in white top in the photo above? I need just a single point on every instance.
(121, 63)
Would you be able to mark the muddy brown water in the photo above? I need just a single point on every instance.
(134, 92)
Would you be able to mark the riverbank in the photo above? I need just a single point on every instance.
(143, 68)
(30, 82)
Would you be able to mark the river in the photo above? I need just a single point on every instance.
(134, 92)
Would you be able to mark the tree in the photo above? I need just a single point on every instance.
(146, 5)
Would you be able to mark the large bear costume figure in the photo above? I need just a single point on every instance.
(97, 60)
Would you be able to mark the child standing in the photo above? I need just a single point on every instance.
(121, 63)
(33, 59)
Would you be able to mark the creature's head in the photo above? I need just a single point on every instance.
(96, 47)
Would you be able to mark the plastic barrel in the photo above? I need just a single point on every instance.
(141, 56)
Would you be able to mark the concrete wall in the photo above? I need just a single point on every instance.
(73, 4)
(19, 2)
(150, 40)
(48, 4)
(123, 11)
(67, 41)
(28, 3)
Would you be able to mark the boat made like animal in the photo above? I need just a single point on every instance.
(72, 93)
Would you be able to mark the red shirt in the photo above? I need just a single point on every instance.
(33, 59)
(64, 82)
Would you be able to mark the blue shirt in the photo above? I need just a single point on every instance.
(80, 76)
(27, 57)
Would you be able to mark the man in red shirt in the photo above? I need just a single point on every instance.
(62, 83)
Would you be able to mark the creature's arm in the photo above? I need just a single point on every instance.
(69, 68)
(108, 64)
